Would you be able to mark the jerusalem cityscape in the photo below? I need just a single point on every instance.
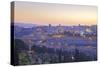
(48, 33)
(56, 44)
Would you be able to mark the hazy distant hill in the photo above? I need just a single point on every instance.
(25, 25)
(21, 29)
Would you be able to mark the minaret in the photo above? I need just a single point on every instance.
(59, 25)
(49, 25)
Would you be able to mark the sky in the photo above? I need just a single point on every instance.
(51, 13)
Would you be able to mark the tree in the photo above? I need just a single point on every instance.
(19, 46)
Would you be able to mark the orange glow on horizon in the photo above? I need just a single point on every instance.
(43, 14)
